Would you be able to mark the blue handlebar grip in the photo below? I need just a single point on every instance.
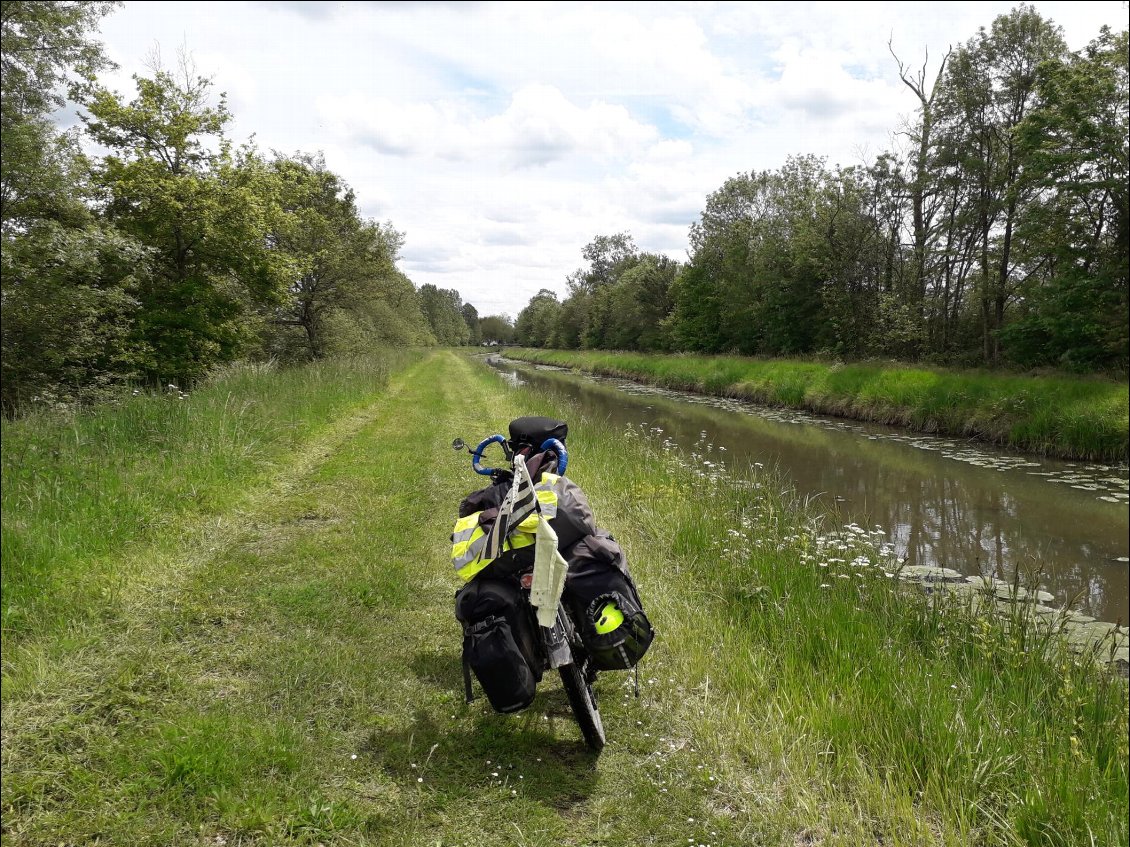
(559, 449)
(478, 456)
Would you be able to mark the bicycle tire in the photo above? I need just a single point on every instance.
(583, 703)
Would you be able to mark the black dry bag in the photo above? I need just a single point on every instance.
(499, 642)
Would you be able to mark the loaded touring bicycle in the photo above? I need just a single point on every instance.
(546, 589)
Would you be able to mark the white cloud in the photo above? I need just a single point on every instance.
(539, 126)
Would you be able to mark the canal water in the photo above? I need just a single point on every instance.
(942, 501)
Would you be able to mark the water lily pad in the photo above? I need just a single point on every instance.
(985, 582)
(929, 573)
(1009, 592)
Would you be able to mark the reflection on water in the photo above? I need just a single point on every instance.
(942, 501)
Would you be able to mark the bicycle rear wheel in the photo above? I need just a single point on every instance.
(583, 702)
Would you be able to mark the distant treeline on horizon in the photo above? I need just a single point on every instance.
(999, 237)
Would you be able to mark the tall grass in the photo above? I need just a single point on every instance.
(79, 488)
(817, 663)
(1070, 417)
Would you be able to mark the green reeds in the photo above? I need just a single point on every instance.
(1069, 417)
(812, 658)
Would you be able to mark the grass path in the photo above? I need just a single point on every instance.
(294, 677)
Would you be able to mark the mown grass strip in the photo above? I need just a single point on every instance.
(80, 490)
(1069, 417)
(301, 685)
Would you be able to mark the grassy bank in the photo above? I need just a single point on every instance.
(300, 682)
(79, 490)
(1068, 417)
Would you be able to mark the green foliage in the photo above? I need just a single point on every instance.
(1000, 238)
(173, 182)
(69, 311)
(44, 48)
(636, 305)
(344, 281)
(471, 318)
(176, 252)
(497, 328)
(608, 257)
(1076, 152)
(536, 322)
(443, 310)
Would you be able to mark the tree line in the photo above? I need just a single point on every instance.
(177, 249)
(998, 236)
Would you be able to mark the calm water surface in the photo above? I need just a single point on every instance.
(942, 501)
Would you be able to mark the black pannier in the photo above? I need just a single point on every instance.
(597, 576)
(499, 642)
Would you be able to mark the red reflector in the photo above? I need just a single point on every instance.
(527, 580)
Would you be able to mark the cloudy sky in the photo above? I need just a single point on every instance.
(500, 138)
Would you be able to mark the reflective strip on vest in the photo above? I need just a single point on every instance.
(468, 538)
(546, 491)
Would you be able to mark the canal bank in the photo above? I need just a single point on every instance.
(1065, 416)
(984, 512)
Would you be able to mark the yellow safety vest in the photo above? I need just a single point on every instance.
(469, 538)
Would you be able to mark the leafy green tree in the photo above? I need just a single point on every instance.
(988, 90)
(1075, 153)
(694, 323)
(69, 308)
(572, 322)
(443, 309)
(497, 328)
(535, 324)
(755, 268)
(338, 259)
(384, 313)
(173, 181)
(582, 319)
(608, 257)
(68, 282)
(46, 49)
(638, 303)
(471, 318)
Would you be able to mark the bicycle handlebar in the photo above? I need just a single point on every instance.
(559, 449)
(477, 458)
(549, 444)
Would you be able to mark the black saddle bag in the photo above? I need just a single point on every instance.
(598, 576)
(499, 642)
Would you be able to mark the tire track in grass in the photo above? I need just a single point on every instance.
(153, 574)
(285, 686)
(55, 689)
